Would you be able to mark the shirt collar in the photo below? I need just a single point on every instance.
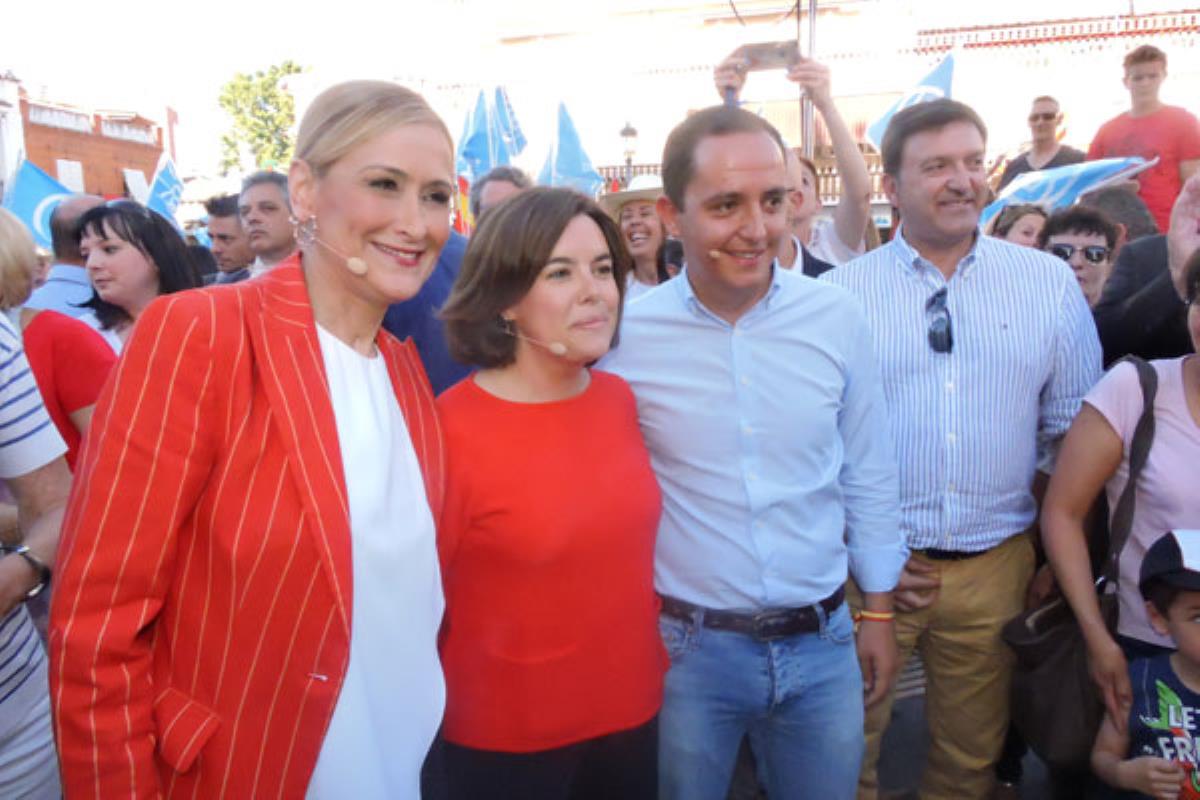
(693, 303)
(914, 261)
(68, 272)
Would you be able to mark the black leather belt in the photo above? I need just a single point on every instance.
(770, 623)
(934, 554)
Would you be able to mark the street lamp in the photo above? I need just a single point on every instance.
(629, 137)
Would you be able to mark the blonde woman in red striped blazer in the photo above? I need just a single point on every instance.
(248, 589)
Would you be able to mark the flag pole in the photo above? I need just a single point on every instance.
(807, 129)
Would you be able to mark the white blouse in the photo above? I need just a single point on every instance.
(391, 703)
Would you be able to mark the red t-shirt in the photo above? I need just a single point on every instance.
(70, 363)
(1171, 134)
(547, 548)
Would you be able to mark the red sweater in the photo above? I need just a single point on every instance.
(547, 546)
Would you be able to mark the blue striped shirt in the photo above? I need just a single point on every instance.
(968, 424)
(769, 441)
(28, 440)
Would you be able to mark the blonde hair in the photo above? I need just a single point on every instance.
(344, 116)
(18, 261)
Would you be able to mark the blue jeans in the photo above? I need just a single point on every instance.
(799, 699)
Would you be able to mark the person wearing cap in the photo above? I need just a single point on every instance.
(1095, 455)
(643, 231)
(1153, 750)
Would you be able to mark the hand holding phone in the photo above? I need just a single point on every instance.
(768, 55)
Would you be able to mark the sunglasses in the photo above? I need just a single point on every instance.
(1093, 253)
(941, 336)
(1043, 117)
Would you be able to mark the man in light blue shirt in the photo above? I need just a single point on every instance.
(987, 350)
(761, 406)
(67, 286)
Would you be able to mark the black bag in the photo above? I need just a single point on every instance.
(1055, 704)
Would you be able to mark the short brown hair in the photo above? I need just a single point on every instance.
(1079, 219)
(1145, 54)
(928, 116)
(505, 255)
(679, 154)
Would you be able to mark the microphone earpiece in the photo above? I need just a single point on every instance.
(354, 264)
(556, 348)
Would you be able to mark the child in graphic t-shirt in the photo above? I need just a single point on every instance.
(1156, 755)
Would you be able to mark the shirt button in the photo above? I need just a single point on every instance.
(949, 386)
(951, 438)
(951, 487)
(745, 381)
(747, 429)
(751, 476)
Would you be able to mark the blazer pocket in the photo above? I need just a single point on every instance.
(184, 726)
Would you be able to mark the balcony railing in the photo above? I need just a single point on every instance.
(829, 183)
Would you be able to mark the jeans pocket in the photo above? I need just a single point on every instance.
(678, 637)
(838, 627)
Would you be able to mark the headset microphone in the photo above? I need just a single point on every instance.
(557, 348)
(714, 253)
(353, 263)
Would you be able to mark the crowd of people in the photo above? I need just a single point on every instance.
(645, 497)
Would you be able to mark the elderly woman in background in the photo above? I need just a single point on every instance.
(249, 598)
(553, 660)
(70, 361)
(1086, 238)
(643, 231)
(133, 255)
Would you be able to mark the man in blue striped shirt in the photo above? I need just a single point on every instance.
(987, 350)
(31, 464)
(761, 405)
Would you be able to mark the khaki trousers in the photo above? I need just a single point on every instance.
(968, 670)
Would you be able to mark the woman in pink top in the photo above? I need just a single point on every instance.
(1095, 455)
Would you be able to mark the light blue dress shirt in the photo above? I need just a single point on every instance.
(968, 423)
(769, 439)
(65, 288)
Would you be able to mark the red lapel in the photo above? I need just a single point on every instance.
(284, 336)
(416, 404)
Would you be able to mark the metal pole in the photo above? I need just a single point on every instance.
(807, 128)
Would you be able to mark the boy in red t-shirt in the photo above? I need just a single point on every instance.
(1152, 129)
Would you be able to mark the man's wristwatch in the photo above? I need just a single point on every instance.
(43, 571)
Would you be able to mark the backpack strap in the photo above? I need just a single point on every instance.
(1139, 451)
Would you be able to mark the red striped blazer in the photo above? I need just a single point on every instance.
(200, 627)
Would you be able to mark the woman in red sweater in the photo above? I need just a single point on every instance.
(550, 646)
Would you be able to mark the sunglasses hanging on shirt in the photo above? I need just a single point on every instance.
(941, 335)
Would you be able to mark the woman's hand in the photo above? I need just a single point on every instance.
(1109, 670)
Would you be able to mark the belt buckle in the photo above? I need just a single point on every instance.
(768, 626)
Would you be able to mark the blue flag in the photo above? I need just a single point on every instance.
(474, 156)
(566, 163)
(165, 189)
(32, 197)
(491, 136)
(506, 124)
(933, 86)
(1060, 187)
